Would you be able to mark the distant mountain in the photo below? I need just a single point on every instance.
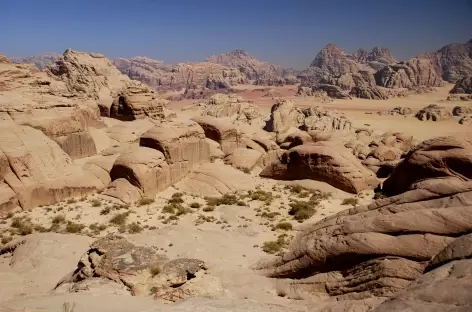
(40, 61)
(260, 72)
(453, 61)
(163, 76)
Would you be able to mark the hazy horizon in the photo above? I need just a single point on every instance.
(289, 33)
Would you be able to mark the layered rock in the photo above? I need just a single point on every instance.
(397, 111)
(379, 249)
(463, 85)
(433, 112)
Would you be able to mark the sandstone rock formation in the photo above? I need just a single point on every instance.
(433, 112)
(463, 85)
(461, 110)
(144, 273)
(40, 61)
(285, 116)
(233, 107)
(165, 155)
(453, 61)
(380, 153)
(379, 249)
(326, 162)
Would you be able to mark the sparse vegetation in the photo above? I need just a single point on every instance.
(119, 219)
(286, 226)
(22, 226)
(301, 210)
(96, 203)
(296, 189)
(72, 227)
(68, 307)
(195, 205)
(270, 215)
(145, 201)
(208, 208)
(134, 228)
(226, 199)
(71, 201)
(105, 211)
(156, 269)
(273, 247)
(6, 239)
(350, 201)
(58, 219)
(9, 215)
(261, 195)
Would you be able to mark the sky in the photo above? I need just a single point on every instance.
(285, 32)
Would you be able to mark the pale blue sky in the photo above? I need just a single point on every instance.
(288, 32)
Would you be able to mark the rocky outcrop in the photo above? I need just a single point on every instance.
(463, 85)
(380, 153)
(461, 110)
(379, 249)
(433, 112)
(40, 61)
(232, 107)
(377, 58)
(254, 70)
(414, 73)
(285, 117)
(144, 272)
(466, 120)
(4, 59)
(453, 61)
(326, 162)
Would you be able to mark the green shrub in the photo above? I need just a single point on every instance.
(119, 219)
(145, 201)
(71, 201)
(195, 205)
(286, 226)
(58, 219)
(96, 203)
(350, 201)
(261, 195)
(270, 215)
(208, 208)
(301, 210)
(134, 228)
(72, 227)
(6, 239)
(273, 247)
(296, 189)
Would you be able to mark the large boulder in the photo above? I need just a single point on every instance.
(326, 162)
(145, 168)
(215, 179)
(446, 158)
